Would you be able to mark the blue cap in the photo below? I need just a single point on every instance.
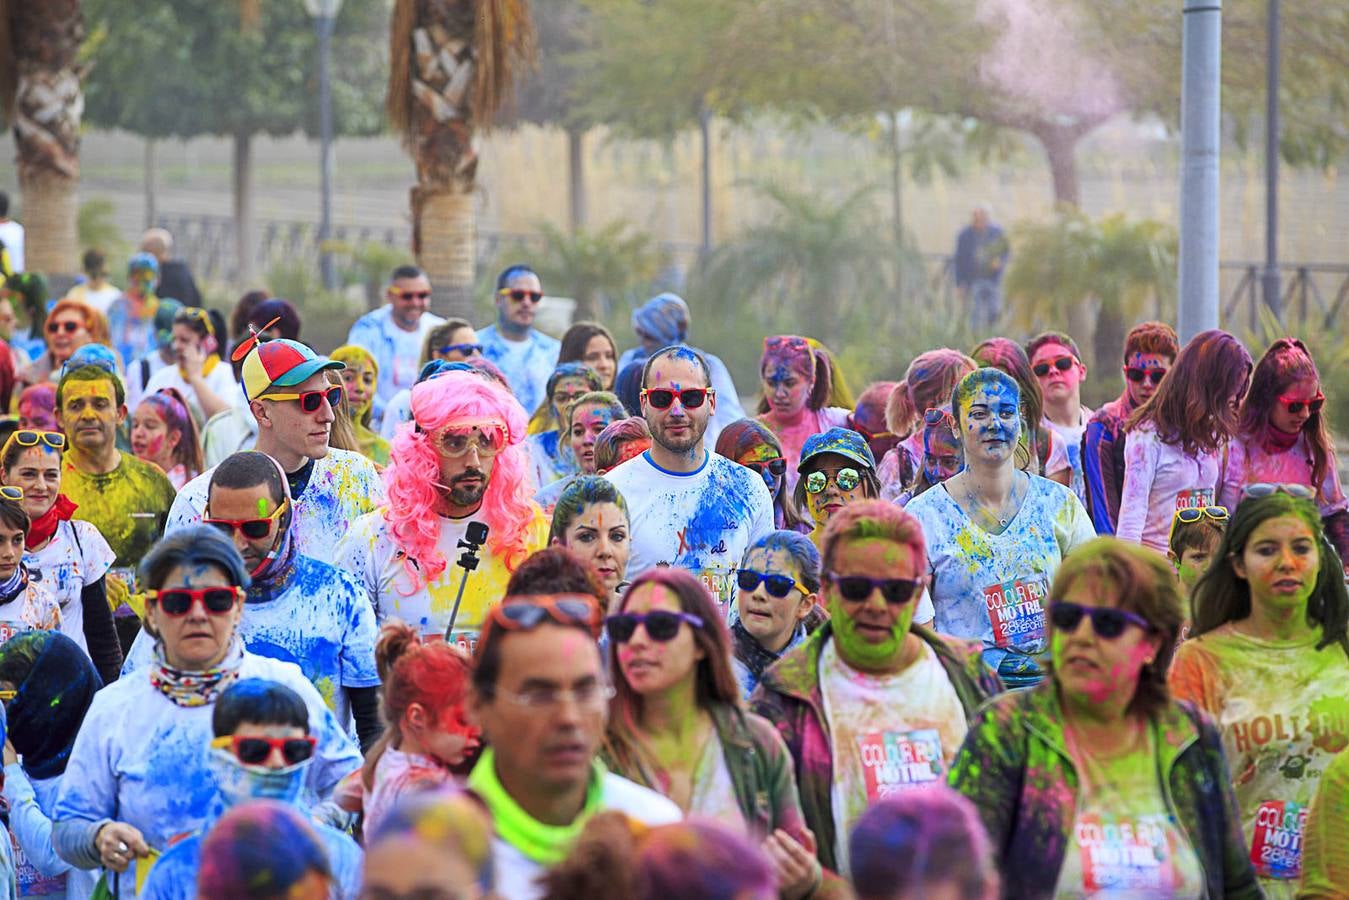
(843, 441)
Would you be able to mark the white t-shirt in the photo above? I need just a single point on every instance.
(516, 874)
(321, 621)
(993, 587)
(397, 411)
(368, 552)
(1070, 437)
(76, 556)
(220, 381)
(343, 486)
(33, 609)
(889, 733)
(702, 521)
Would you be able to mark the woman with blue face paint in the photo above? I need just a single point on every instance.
(943, 454)
(549, 449)
(996, 534)
(750, 443)
(139, 774)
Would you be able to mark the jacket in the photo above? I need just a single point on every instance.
(1016, 770)
(789, 696)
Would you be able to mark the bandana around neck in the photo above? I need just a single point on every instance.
(14, 585)
(198, 688)
(544, 844)
(1277, 441)
(44, 526)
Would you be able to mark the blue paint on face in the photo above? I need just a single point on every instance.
(989, 405)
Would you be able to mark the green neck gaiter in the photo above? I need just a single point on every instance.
(544, 844)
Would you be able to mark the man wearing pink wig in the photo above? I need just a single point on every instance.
(463, 464)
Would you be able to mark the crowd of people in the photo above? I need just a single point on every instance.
(474, 612)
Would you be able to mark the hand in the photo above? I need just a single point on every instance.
(798, 872)
(191, 358)
(118, 844)
(10, 755)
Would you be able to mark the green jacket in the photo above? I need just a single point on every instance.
(789, 696)
(1015, 767)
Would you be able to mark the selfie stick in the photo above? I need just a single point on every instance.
(470, 543)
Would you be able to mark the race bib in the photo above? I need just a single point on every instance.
(33, 883)
(9, 629)
(466, 639)
(1197, 498)
(893, 761)
(1016, 611)
(720, 583)
(1276, 845)
(1124, 854)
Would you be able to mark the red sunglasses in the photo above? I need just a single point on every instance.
(310, 401)
(253, 529)
(1312, 406)
(663, 398)
(178, 602)
(254, 751)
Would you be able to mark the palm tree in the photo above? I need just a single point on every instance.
(1060, 269)
(41, 98)
(452, 67)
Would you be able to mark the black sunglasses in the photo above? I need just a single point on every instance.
(1106, 621)
(777, 585)
(689, 398)
(856, 588)
(1136, 375)
(466, 349)
(310, 401)
(1063, 364)
(775, 467)
(660, 625)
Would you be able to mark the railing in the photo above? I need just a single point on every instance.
(1314, 294)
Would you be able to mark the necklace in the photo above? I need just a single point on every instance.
(1002, 514)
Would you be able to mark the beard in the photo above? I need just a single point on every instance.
(461, 494)
(683, 443)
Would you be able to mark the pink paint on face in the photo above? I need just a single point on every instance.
(32, 416)
(1090, 668)
(586, 424)
(1302, 392)
(1139, 392)
(786, 389)
(1058, 383)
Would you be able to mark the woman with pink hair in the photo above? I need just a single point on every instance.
(460, 466)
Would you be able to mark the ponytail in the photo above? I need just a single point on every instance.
(901, 418)
(823, 387)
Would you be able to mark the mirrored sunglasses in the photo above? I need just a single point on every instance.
(846, 479)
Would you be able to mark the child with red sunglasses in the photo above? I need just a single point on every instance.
(1282, 437)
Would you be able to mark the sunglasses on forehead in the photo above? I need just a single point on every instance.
(310, 401)
(528, 613)
(1063, 364)
(1265, 489)
(254, 751)
(1137, 375)
(664, 398)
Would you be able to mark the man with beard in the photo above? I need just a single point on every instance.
(463, 466)
(297, 609)
(688, 507)
(294, 403)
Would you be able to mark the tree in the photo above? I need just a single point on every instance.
(453, 66)
(186, 68)
(40, 96)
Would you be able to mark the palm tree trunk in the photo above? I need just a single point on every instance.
(576, 178)
(1061, 153)
(243, 206)
(48, 102)
(444, 238)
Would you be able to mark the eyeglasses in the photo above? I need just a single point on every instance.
(178, 602)
(769, 467)
(689, 398)
(1106, 621)
(11, 492)
(1063, 364)
(54, 439)
(527, 613)
(661, 625)
(253, 529)
(465, 349)
(410, 295)
(310, 401)
(776, 585)
(1312, 406)
(856, 588)
(67, 326)
(254, 751)
(1136, 375)
(488, 438)
(846, 479)
(1265, 489)
(593, 696)
(1191, 514)
(519, 295)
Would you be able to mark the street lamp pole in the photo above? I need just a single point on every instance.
(324, 13)
(1273, 288)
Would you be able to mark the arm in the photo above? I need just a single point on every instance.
(1239, 878)
(30, 825)
(989, 769)
(365, 708)
(1140, 467)
(209, 401)
(1075, 525)
(100, 634)
(87, 800)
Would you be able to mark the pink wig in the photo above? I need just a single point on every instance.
(414, 469)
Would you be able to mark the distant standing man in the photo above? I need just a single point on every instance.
(981, 257)
(525, 355)
(395, 332)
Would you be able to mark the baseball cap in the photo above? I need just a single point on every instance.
(279, 363)
(843, 441)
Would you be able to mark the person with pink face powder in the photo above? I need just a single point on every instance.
(1096, 778)
(797, 384)
(37, 408)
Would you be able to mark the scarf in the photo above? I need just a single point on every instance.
(49, 708)
(276, 572)
(197, 688)
(44, 526)
(14, 585)
(544, 844)
(748, 650)
(1276, 441)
